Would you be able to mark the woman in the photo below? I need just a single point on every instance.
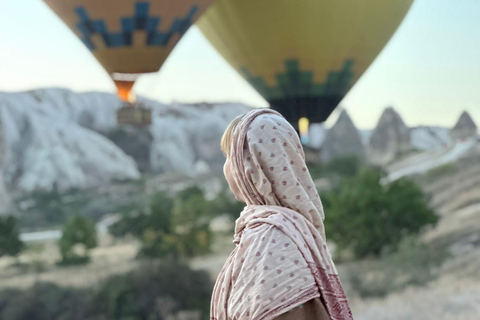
(281, 267)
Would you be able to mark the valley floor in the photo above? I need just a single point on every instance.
(455, 295)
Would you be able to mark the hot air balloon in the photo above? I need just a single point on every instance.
(302, 56)
(129, 37)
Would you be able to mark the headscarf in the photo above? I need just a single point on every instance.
(281, 259)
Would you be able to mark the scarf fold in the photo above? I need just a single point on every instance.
(281, 259)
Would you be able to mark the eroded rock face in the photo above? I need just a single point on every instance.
(4, 197)
(390, 137)
(56, 136)
(188, 134)
(172, 149)
(43, 151)
(135, 142)
(342, 139)
(430, 138)
(464, 128)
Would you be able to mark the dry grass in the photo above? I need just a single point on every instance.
(109, 258)
(451, 297)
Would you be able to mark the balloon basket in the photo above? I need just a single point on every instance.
(134, 114)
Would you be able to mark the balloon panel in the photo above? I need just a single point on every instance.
(302, 56)
(128, 36)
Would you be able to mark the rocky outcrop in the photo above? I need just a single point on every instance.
(56, 136)
(464, 128)
(172, 150)
(429, 138)
(187, 137)
(4, 196)
(390, 137)
(342, 139)
(135, 142)
(43, 151)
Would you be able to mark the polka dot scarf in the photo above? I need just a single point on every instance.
(281, 259)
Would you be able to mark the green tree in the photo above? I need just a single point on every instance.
(156, 214)
(181, 229)
(177, 227)
(10, 243)
(192, 216)
(78, 233)
(366, 216)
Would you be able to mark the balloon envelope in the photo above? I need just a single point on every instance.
(129, 37)
(302, 56)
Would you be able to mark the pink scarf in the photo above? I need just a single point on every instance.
(281, 259)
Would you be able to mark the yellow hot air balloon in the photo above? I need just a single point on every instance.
(129, 37)
(302, 56)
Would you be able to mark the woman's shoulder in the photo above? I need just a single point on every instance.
(268, 237)
(261, 232)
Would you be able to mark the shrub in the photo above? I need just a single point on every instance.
(157, 214)
(10, 243)
(44, 301)
(178, 227)
(77, 231)
(366, 217)
(153, 292)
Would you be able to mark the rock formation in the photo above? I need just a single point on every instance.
(342, 139)
(390, 137)
(56, 136)
(464, 128)
(4, 196)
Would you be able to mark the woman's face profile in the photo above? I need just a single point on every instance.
(227, 171)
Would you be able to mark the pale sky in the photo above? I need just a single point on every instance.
(429, 71)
